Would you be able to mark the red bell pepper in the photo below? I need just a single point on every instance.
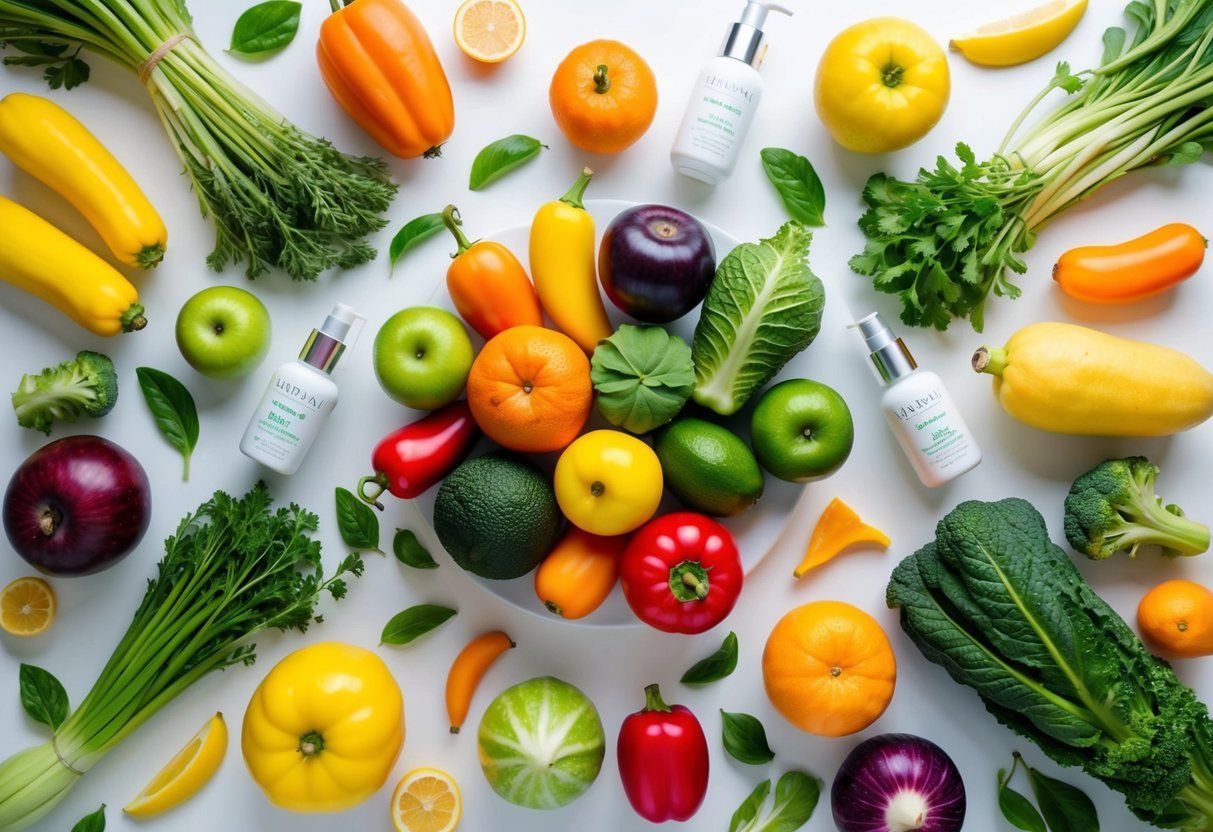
(663, 760)
(410, 460)
(681, 573)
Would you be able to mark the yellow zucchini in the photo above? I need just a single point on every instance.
(42, 260)
(1070, 379)
(45, 141)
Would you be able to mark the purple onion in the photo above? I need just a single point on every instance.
(898, 783)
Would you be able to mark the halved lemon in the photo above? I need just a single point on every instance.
(27, 607)
(185, 774)
(426, 800)
(489, 30)
(1022, 37)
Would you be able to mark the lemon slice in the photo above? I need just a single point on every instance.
(489, 30)
(185, 774)
(27, 607)
(1023, 37)
(426, 800)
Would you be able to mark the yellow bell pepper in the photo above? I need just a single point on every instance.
(324, 728)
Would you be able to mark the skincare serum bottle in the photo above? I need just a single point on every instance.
(919, 410)
(299, 399)
(723, 102)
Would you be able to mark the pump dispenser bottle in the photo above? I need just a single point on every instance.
(919, 410)
(299, 399)
(724, 100)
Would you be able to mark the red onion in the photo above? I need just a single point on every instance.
(77, 505)
(898, 783)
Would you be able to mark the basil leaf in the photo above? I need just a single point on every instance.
(265, 28)
(501, 157)
(414, 232)
(357, 522)
(174, 410)
(745, 739)
(1019, 811)
(409, 551)
(1064, 807)
(796, 796)
(797, 184)
(413, 622)
(42, 696)
(91, 823)
(716, 666)
(748, 810)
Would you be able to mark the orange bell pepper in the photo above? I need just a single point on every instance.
(838, 528)
(380, 65)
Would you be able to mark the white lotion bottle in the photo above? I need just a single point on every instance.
(725, 97)
(299, 398)
(919, 409)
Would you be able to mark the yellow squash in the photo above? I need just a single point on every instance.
(1070, 379)
(42, 260)
(49, 144)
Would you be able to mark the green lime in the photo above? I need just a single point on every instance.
(496, 515)
(708, 467)
(541, 743)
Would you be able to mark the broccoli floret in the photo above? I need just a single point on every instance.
(86, 384)
(1113, 507)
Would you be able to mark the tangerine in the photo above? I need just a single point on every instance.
(603, 96)
(1178, 616)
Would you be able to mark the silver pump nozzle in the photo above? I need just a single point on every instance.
(326, 344)
(889, 353)
(744, 41)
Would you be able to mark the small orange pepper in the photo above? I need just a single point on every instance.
(1134, 269)
(579, 573)
(838, 527)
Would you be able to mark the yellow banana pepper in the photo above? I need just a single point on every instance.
(49, 144)
(562, 267)
(42, 260)
(324, 728)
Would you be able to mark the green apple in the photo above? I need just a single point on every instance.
(223, 332)
(422, 357)
(801, 430)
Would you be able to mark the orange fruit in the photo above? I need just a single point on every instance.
(489, 31)
(529, 389)
(27, 607)
(603, 96)
(1178, 616)
(828, 668)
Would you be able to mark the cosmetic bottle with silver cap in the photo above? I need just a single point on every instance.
(919, 410)
(724, 100)
(300, 397)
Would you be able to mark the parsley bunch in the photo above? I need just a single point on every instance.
(946, 240)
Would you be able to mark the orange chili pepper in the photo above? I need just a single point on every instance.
(380, 65)
(487, 284)
(1134, 269)
(579, 573)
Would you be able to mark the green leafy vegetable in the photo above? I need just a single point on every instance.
(796, 796)
(232, 569)
(409, 551)
(745, 739)
(1065, 808)
(63, 70)
(86, 384)
(174, 410)
(266, 28)
(716, 666)
(414, 232)
(1016, 808)
(944, 241)
(762, 308)
(357, 523)
(749, 808)
(643, 376)
(797, 184)
(501, 157)
(414, 622)
(42, 696)
(1005, 612)
(94, 822)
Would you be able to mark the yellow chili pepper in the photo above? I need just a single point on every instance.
(42, 260)
(49, 144)
(324, 728)
(562, 267)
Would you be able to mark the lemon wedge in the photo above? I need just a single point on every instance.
(426, 800)
(1022, 37)
(489, 31)
(27, 607)
(185, 774)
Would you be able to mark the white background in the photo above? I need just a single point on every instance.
(611, 666)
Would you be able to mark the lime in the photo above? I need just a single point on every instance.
(497, 515)
(541, 743)
(708, 467)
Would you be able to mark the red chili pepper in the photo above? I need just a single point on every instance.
(410, 460)
(681, 573)
(663, 760)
